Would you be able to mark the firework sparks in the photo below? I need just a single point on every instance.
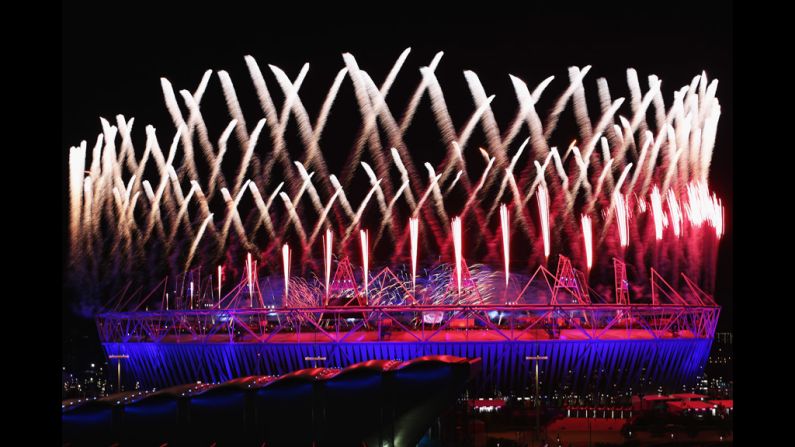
(660, 221)
(669, 159)
(414, 229)
(286, 264)
(457, 244)
(363, 235)
(676, 212)
(543, 213)
(702, 208)
(220, 278)
(587, 238)
(506, 241)
(250, 273)
(327, 241)
(622, 219)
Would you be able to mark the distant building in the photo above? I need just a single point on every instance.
(718, 378)
(725, 406)
(686, 407)
(88, 383)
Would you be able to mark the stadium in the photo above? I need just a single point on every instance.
(590, 344)
(626, 207)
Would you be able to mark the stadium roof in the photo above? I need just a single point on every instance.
(329, 406)
(688, 396)
(689, 405)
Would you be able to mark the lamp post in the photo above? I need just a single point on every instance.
(535, 360)
(118, 358)
(315, 360)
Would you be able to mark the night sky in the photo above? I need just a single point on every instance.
(113, 58)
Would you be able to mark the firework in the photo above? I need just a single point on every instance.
(587, 238)
(142, 210)
(543, 214)
(458, 244)
(327, 241)
(286, 263)
(415, 231)
(363, 235)
(622, 219)
(506, 241)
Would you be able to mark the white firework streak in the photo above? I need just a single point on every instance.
(379, 193)
(77, 166)
(196, 241)
(296, 221)
(232, 216)
(126, 151)
(685, 134)
(368, 134)
(195, 120)
(403, 187)
(437, 193)
(508, 171)
(539, 178)
(404, 176)
(183, 211)
(359, 212)
(293, 103)
(393, 132)
(264, 213)
(506, 241)
(490, 127)
(215, 179)
(322, 219)
(439, 108)
(277, 137)
(517, 199)
(379, 108)
(543, 210)
(453, 183)
(244, 162)
(234, 107)
(527, 113)
(346, 205)
(466, 133)
(560, 105)
(580, 107)
(611, 208)
(313, 195)
(180, 202)
(322, 117)
(88, 221)
(154, 213)
(428, 190)
(205, 208)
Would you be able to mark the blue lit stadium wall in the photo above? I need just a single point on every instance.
(576, 366)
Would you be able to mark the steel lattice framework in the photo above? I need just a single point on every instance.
(592, 344)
